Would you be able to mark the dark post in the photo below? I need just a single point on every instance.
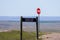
(37, 27)
(21, 29)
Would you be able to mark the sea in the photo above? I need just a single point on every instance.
(44, 26)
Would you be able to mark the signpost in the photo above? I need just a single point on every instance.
(32, 20)
(29, 20)
(38, 12)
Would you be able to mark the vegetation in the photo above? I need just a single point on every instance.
(15, 35)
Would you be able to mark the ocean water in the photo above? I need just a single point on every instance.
(45, 26)
(9, 25)
(50, 27)
(30, 26)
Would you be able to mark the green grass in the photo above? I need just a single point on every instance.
(15, 35)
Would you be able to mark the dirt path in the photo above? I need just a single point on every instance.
(52, 36)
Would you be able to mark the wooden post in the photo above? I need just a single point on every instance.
(37, 27)
(21, 29)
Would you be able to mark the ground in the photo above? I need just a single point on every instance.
(51, 36)
(15, 35)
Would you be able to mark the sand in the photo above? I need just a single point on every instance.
(52, 36)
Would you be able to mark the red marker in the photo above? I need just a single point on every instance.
(38, 11)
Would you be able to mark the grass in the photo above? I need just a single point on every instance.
(15, 35)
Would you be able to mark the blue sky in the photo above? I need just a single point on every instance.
(28, 7)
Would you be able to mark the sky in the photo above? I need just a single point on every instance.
(28, 7)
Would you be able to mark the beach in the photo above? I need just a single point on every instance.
(51, 36)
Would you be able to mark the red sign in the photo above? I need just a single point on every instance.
(38, 11)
